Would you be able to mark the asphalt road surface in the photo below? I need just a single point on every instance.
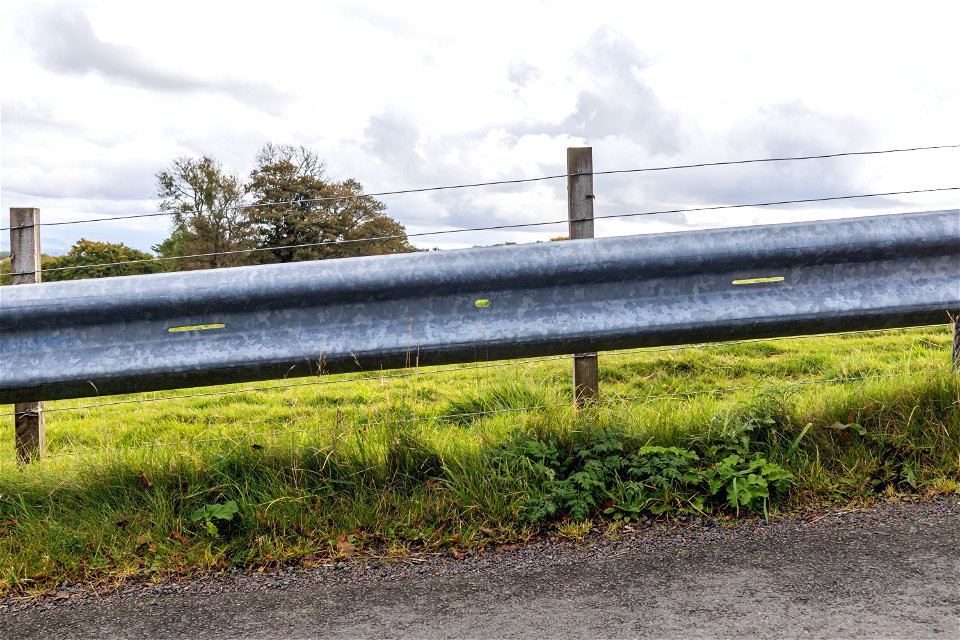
(888, 572)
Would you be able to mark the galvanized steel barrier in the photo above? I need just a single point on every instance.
(139, 333)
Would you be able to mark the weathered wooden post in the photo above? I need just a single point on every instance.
(25, 269)
(586, 377)
(956, 344)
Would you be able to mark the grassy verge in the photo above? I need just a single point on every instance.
(462, 459)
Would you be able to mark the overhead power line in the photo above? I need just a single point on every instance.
(509, 182)
(501, 227)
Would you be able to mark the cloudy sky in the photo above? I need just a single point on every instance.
(99, 96)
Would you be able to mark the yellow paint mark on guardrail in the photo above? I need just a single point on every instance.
(759, 280)
(196, 327)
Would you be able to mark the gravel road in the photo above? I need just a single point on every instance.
(888, 572)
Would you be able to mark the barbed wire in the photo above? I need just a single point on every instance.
(458, 369)
(335, 243)
(501, 183)
(488, 412)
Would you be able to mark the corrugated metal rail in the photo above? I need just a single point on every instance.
(139, 333)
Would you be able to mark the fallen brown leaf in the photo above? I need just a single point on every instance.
(345, 547)
(179, 537)
(143, 480)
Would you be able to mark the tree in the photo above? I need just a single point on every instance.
(293, 205)
(6, 266)
(209, 217)
(5, 269)
(89, 252)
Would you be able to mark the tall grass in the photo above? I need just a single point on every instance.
(383, 466)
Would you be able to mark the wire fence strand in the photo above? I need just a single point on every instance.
(334, 243)
(459, 369)
(507, 182)
(477, 414)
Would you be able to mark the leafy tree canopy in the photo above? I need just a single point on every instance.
(101, 254)
(6, 266)
(286, 202)
(208, 218)
(312, 210)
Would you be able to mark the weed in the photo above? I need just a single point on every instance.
(366, 467)
(606, 467)
(213, 514)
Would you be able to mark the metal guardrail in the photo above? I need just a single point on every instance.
(138, 333)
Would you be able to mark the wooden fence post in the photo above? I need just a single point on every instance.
(25, 269)
(956, 344)
(586, 377)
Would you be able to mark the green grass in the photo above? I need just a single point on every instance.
(439, 459)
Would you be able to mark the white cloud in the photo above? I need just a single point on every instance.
(98, 96)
